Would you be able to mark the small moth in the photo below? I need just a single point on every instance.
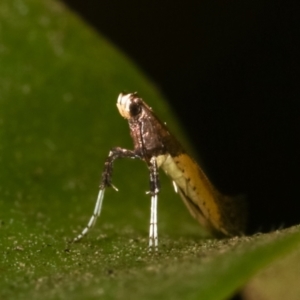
(153, 143)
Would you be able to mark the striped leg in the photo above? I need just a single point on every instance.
(154, 189)
(105, 182)
(153, 238)
(93, 219)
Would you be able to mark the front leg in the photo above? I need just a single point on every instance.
(154, 189)
(114, 153)
(105, 182)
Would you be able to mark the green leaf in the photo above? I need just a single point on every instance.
(59, 82)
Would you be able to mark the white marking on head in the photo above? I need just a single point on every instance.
(123, 104)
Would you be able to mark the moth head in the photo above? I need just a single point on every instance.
(130, 105)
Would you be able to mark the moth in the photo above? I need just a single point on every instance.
(153, 143)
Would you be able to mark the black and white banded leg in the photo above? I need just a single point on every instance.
(154, 189)
(105, 182)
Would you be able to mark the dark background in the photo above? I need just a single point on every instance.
(231, 72)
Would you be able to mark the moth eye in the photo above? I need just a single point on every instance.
(135, 109)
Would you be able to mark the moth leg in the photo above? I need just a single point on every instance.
(154, 189)
(93, 219)
(105, 182)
